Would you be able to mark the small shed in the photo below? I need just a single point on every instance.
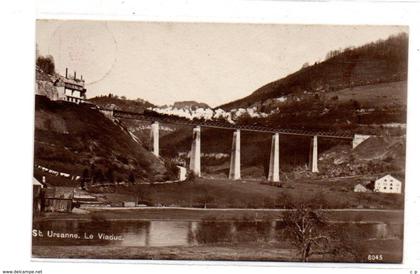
(36, 196)
(388, 184)
(58, 199)
(360, 188)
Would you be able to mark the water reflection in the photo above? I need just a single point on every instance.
(191, 233)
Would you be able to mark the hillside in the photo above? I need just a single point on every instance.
(373, 156)
(71, 138)
(360, 109)
(374, 63)
(360, 90)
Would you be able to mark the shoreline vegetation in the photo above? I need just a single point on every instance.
(200, 214)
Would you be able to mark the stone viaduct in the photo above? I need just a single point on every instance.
(235, 159)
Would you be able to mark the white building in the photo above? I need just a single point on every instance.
(360, 188)
(388, 184)
(71, 89)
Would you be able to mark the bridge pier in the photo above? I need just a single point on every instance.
(274, 168)
(195, 154)
(313, 155)
(154, 135)
(235, 157)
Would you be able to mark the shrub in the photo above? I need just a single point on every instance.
(46, 64)
(191, 177)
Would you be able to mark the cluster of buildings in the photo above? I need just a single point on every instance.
(58, 198)
(56, 87)
(52, 199)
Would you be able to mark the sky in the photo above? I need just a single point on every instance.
(214, 63)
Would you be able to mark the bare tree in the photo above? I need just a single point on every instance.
(312, 234)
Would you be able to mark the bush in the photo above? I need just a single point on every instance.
(46, 64)
(172, 170)
(191, 177)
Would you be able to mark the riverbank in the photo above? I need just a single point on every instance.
(225, 253)
(196, 214)
(253, 252)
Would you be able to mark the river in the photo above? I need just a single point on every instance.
(188, 233)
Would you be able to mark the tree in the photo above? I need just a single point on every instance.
(332, 54)
(110, 175)
(312, 234)
(85, 177)
(46, 64)
(99, 176)
(191, 177)
(356, 104)
(131, 178)
(304, 227)
(93, 173)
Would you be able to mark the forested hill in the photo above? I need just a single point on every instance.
(71, 138)
(121, 103)
(377, 62)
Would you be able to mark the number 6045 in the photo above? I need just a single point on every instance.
(375, 257)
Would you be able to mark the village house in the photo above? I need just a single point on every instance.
(71, 89)
(388, 184)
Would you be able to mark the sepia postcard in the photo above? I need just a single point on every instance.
(219, 141)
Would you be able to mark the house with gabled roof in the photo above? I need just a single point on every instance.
(388, 184)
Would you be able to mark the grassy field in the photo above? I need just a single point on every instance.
(222, 193)
(374, 95)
